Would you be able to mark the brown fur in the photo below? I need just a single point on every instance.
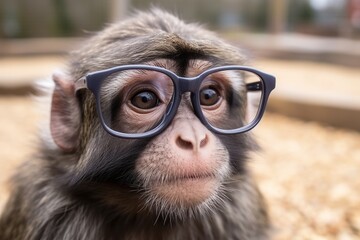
(86, 190)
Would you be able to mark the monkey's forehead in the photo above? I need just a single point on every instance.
(150, 36)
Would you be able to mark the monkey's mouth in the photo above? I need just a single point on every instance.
(192, 177)
(186, 190)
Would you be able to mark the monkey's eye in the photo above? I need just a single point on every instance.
(209, 96)
(145, 100)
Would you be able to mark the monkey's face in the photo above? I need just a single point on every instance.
(186, 165)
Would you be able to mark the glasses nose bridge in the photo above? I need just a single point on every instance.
(187, 84)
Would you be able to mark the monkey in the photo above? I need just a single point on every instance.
(147, 177)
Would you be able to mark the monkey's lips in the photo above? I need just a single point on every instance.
(187, 190)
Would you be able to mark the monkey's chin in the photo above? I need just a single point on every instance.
(186, 192)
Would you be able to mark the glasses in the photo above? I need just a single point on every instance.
(139, 101)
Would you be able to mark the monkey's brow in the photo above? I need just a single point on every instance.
(81, 83)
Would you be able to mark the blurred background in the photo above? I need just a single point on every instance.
(308, 169)
(59, 18)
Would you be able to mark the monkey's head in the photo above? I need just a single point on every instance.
(162, 127)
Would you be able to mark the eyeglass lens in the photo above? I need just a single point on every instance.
(230, 99)
(135, 100)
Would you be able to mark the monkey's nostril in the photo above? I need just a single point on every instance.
(204, 141)
(184, 144)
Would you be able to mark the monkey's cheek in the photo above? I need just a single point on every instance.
(187, 192)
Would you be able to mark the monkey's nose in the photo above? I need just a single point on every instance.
(191, 135)
(188, 142)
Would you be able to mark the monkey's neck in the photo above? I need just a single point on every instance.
(212, 225)
(239, 213)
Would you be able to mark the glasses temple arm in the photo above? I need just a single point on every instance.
(255, 86)
(80, 84)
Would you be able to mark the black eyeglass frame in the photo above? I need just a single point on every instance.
(93, 82)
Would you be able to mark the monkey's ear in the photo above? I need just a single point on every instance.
(65, 113)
